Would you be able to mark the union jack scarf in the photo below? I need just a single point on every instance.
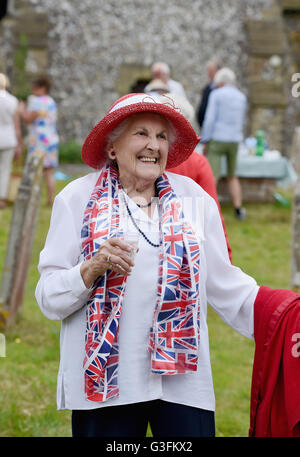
(175, 333)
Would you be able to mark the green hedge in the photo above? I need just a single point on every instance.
(70, 152)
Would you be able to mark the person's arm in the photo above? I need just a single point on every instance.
(205, 149)
(209, 118)
(230, 291)
(66, 278)
(27, 115)
(206, 180)
(61, 290)
(17, 124)
(30, 116)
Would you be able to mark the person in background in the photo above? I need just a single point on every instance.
(196, 166)
(223, 131)
(41, 115)
(212, 67)
(156, 87)
(10, 136)
(161, 70)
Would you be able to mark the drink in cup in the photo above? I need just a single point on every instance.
(132, 238)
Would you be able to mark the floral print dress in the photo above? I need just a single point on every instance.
(43, 136)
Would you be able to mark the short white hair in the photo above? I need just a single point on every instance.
(225, 76)
(4, 82)
(162, 67)
(178, 101)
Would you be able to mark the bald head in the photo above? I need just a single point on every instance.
(212, 67)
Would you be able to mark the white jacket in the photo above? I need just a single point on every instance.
(62, 295)
(8, 107)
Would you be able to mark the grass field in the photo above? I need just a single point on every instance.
(261, 247)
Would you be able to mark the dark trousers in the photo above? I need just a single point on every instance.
(166, 420)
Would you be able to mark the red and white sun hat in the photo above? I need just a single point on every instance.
(93, 150)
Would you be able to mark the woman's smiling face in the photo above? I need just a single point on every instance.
(141, 151)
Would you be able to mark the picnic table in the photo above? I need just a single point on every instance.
(259, 175)
(271, 165)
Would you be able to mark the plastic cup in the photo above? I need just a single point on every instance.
(132, 238)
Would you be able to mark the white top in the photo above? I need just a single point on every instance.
(225, 115)
(8, 107)
(62, 295)
(176, 87)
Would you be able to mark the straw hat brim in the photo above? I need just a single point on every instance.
(93, 150)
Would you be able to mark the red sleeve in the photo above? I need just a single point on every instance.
(197, 167)
(207, 181)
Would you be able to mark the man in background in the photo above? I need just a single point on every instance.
(161, 71)
(223, 131)
(196, 166)
(212, 67)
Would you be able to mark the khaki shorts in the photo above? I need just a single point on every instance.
(215, 151)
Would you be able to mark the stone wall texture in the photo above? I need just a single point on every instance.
(98, 49)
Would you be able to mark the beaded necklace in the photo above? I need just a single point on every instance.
(137, 227)
(151, 201)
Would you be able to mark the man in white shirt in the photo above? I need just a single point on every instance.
(222, 132)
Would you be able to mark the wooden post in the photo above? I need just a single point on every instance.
(295, 254)
(18, 253)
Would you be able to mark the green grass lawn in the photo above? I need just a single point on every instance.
(261, 247)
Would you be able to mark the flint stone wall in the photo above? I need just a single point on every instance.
(98, 49)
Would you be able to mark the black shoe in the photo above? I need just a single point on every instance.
(240, 213)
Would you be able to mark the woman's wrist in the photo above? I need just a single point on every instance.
(87, 273)
(91, 270)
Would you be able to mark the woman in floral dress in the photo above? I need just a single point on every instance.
(41, 115)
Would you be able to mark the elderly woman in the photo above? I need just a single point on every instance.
(134, 337)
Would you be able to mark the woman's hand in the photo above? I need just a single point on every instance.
(27, 116)
(114, 254)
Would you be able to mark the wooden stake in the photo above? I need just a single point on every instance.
(18, 253)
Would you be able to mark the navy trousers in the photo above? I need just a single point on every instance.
(166, 420)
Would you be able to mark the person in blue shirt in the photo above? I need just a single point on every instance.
(223, 131)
